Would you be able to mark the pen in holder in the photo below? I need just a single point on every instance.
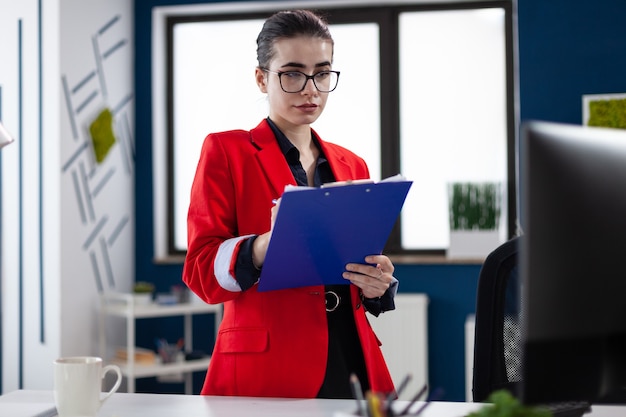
(379, 405)
(169, 354)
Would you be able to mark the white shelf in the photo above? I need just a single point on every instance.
(139, 311)
(145, 371)
(124, 306)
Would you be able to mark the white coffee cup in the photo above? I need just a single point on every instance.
(78, 385)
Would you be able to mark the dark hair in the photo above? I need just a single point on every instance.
(288, 24)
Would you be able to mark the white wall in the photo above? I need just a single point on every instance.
(67, 222)
(97, 210)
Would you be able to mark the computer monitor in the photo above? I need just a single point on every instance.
(573, 263)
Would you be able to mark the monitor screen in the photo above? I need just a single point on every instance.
(573, 263)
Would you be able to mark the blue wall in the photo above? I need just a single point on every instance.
(567, 48)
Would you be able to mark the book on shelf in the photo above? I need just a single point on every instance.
(142, 356)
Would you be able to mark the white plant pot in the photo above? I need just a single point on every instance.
(472, 244)
(142, 298)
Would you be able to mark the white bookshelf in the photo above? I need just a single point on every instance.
(126, 307)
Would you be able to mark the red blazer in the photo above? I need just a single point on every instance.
(269, 344)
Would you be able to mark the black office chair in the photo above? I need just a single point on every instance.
(497, 343)
(497, 335)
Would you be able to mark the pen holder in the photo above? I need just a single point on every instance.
(170, 352)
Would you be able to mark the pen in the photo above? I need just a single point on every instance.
(397, 392)
(358, 394)
(413, 400)
(374, 405)
(435, 396)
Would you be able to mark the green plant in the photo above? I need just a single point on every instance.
(143, 287)
(503, 404)
(474, 206)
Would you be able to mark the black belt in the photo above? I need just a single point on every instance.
(332, 300)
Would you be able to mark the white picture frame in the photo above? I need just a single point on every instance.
(589, 98)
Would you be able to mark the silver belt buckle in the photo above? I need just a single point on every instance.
(332, 301)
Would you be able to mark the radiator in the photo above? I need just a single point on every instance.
(404, 336)
(470, 326)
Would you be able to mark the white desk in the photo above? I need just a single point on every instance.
(169, 405)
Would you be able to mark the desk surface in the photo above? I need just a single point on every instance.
(168, 405)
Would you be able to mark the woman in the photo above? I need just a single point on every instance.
(302, 342)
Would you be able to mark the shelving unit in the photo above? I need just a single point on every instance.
(124, 306)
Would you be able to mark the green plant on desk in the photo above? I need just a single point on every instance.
(503, 404)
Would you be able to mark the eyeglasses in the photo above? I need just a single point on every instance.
(295, 81)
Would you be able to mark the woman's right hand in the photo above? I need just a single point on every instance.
(259, 248)
(274, 213)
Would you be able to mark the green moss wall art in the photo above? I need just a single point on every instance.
(102, 135)
(605, 110)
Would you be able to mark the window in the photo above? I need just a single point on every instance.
(230, 99)
(453, 123)
(425, 90)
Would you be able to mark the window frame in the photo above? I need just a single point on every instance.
(387, 17)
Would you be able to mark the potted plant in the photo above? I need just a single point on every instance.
(474, 218)
(142, 292)
(502, 404)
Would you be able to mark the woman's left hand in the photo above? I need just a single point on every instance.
(373, 278)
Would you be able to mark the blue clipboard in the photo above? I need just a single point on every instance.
(320, 230)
